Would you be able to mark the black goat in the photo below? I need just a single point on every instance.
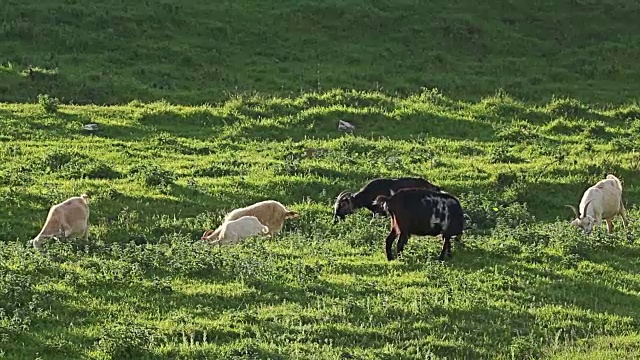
(346, 202)
(422, 212)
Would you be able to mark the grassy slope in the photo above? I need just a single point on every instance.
(142, 286)
(198, 51)
(160, 174)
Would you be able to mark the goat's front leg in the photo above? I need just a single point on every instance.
(623, 214)
(598, 223)
(609, 226)
(389, 243)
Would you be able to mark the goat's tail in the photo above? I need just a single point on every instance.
(85, 197)
(613, 177)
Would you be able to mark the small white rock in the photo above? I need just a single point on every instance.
(345, 126)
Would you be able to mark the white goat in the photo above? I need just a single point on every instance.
(601, 201)
(68, 218)
(232, 231)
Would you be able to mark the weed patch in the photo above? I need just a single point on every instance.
(74, 165)
(48, 104)
(152, 175)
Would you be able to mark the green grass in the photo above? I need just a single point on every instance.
(515, 107)
(195, 52)
(525, 285)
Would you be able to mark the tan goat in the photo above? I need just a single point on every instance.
(66, 219)
(270, 213)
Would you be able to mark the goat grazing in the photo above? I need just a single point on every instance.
(66, 219)
(346, 202)
(232, 231)
(422, 212)
(600, 201)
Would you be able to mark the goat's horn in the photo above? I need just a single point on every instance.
(206, 233)
(342, 194)
(575, 211)
(585, 207)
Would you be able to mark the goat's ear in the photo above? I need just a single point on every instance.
(291, 214)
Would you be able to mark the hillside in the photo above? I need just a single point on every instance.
(514, 107)
(195, 52)
(525, 284)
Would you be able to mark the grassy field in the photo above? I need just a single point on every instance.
(144, 286)
(515, 107)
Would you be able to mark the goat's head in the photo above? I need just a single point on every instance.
(584, 222)
(343, 206)
(35, 242)
(207, 235)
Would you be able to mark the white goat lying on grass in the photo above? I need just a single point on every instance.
(66, 219)
(601, 201)
(232, 231)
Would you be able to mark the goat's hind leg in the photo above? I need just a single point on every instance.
(85, 233)
(459, 243)
(402, 242)
(446, 247)
(623, 215)
(389, 243)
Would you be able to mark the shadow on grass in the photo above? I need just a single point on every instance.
(563, 290)
(57, 346)
(24, 215)
(194, 123)
(66, 125)
(369, 125)
(105, 131)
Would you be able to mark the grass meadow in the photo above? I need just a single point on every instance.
(515, 107)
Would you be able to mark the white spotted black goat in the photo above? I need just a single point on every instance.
(346, 203)
(422, 212)
(600, 201)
